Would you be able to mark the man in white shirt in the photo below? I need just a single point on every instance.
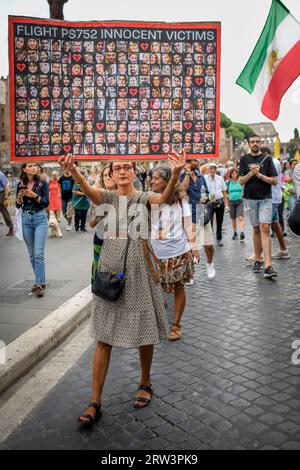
(283, 253)
(218, 197)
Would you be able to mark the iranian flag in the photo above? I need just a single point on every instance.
(275, 61)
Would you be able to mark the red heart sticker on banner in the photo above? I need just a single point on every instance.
(21, 67)
(133, 91)
(155, 147)
(67, 148)
(100, 126)
(144, 46)
(188, 125)
(199, 80)
(45, 103)
(77, 57)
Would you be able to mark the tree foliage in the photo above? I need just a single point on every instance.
(237, 130)
(225, 122)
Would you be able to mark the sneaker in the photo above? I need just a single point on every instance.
(211, 272)
(269, 272)
(219, 243)
(39, 291)
(235, 236)
(76, 229)
(251, 258)
(257, 267)
(68, 228)
(281, 255)
(83, 230)
(242, 236)
(191, 283)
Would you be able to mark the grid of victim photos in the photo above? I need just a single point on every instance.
(114, 97)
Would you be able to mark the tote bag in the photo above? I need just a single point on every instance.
(18, 226)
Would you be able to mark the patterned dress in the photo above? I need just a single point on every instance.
(139, 317)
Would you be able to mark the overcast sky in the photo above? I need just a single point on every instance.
(242, 22)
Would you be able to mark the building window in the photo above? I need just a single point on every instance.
(3, 138)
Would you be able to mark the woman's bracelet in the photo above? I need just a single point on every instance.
(80, 181)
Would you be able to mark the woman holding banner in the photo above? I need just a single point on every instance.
(138, 318)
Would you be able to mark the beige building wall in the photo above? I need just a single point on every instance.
(4, 124)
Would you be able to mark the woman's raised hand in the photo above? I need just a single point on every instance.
(177, 162)
(67, 162)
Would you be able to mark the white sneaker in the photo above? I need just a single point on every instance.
(211, 272)
(191, 283)
(68, 228)
(281, 255)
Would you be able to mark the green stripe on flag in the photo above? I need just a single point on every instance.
(252, 69)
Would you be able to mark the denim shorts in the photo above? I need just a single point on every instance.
(275, 213)
(260, 211)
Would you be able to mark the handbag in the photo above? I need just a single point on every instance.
(18, 225)
(294, 219)
(206, 214)
(110, 286)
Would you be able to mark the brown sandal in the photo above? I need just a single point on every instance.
(175, 333)
(142, 402)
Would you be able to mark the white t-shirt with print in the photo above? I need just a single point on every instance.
(168, 237)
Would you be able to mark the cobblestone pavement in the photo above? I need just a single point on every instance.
(228, 384)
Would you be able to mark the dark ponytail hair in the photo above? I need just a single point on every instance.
(232, 171)
(24, 177)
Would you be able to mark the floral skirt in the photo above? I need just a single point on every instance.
(175, 272)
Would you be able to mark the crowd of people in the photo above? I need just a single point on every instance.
(226, 187)
(183, 199)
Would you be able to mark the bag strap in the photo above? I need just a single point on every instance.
(128, 239)
(147, 253)
(265, 157)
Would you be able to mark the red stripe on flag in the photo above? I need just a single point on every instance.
(283, 77)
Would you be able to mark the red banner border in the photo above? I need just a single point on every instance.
(24, 19)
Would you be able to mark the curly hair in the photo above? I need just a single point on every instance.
(165, 172)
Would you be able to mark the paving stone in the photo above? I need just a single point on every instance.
(271, 419)
(228, 384)
(291, 445)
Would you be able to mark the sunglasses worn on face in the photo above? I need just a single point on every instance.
(126, 168)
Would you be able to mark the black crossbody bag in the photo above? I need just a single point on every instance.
(110, 286)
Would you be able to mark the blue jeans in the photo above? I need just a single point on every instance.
(35, 231)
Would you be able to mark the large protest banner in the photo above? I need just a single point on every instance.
(113, 90)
